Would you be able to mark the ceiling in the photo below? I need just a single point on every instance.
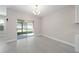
(44, 9)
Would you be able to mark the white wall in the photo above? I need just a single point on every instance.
(3, 13)
(3, 10)
(37, 25)
(12, 16)
(60, 24)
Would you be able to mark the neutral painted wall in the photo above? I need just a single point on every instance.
(3, 13)
(12, 16)
(3, 10)
(61, 24)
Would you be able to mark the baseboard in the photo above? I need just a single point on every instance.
(37, 34)
(58, 40)
(10, 41)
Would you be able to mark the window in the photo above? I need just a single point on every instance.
(2, 22)
(24, 27)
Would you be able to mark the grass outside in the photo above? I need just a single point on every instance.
(24, 32)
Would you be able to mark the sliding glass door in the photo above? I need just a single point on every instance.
(24, 28)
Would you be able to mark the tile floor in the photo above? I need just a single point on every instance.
(38, 44)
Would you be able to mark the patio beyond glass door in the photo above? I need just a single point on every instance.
(24, 29)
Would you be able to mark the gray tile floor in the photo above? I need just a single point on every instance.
(38, 44)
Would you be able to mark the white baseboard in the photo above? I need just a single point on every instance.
(59, 40)
(10, 41)
(37, 34)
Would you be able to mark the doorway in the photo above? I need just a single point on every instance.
(24, 29)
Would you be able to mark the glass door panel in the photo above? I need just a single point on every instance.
(24, 28)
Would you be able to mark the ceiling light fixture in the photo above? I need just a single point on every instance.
(36, 10)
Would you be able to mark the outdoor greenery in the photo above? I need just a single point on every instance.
(23, 27)
(1, 28)
(19, 33)
(2, 22)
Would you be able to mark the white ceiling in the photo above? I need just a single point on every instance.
(44, 9)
